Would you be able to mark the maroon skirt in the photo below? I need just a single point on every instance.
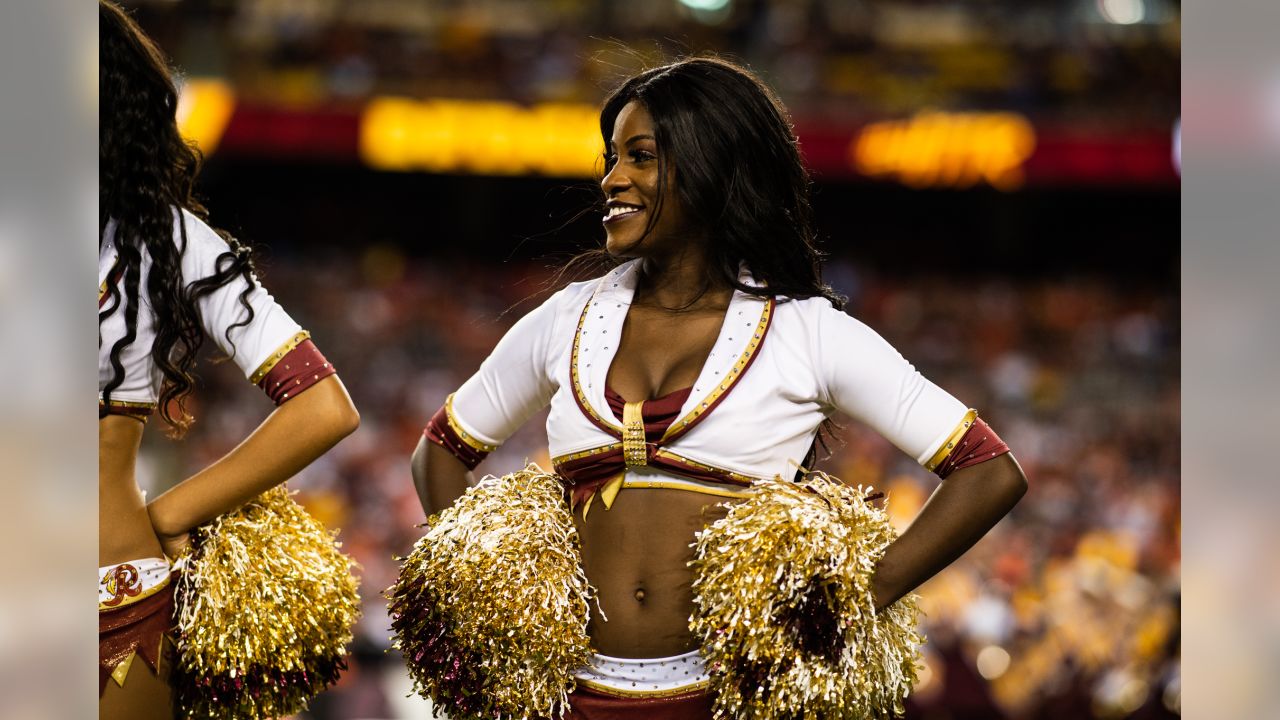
(136, 630)
(587, 704)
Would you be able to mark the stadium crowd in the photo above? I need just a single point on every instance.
(1075, 63)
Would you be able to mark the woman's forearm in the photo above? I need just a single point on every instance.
(963, 509)
(293, 436)
(439, 477)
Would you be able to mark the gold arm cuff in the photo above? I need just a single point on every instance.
(952, 440)
(473, 442)
(275, 357)
(616, 692)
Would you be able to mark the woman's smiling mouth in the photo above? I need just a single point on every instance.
(619, 210)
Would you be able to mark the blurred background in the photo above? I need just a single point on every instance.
(996, 183)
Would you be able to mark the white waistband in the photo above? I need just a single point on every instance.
(129, 582)
(644, 676)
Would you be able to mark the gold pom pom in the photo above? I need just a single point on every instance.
(785, 611)
(265, 605)
(490, 610)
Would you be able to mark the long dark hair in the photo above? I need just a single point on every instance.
(146, 173)
(738, 171)
(738, 174)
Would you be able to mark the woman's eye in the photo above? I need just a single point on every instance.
(610, 160)
(642, 155)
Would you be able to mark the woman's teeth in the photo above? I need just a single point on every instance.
(620, 210)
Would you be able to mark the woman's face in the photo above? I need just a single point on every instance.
(631, 189)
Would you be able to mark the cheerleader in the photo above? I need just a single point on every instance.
(705, 361)
(167, 281)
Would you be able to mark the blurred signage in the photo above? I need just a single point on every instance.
(490, 138)
(930, 150)
(956, 150)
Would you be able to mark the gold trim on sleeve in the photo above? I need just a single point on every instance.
(275, 357)
(952, 440)
(472, 441)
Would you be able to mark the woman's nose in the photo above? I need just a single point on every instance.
(615, 180)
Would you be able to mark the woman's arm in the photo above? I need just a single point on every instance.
(964, 507)
(298, 432)
(512, 383)
(439, 476)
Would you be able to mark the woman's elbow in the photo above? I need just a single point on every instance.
(340, 413)
(348, 420)
(1013, 481)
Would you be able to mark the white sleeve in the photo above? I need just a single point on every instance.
(865, 377)
(249, 345)
(512, 383)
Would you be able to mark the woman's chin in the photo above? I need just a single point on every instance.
(621, 246)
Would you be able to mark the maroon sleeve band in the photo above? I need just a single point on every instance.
(298, 370)
(978, 445)
(441, 433)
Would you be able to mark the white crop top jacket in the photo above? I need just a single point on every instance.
(252, 347)
(777, 370)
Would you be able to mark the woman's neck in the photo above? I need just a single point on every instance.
(683, 281)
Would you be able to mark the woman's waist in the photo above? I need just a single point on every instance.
(635, 630)
(124, 527)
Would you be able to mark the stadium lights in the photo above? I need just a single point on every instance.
(936, 149)
(1122, 12)
(204, 108)
(705, 5)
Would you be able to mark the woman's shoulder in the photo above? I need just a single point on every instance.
(200, 238)
(810, 310)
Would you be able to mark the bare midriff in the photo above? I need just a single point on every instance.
(124, 528)
(636, 554)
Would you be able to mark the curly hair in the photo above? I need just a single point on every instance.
(146, 174)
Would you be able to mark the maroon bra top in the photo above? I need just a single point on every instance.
(589, 474)
(658, 413)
